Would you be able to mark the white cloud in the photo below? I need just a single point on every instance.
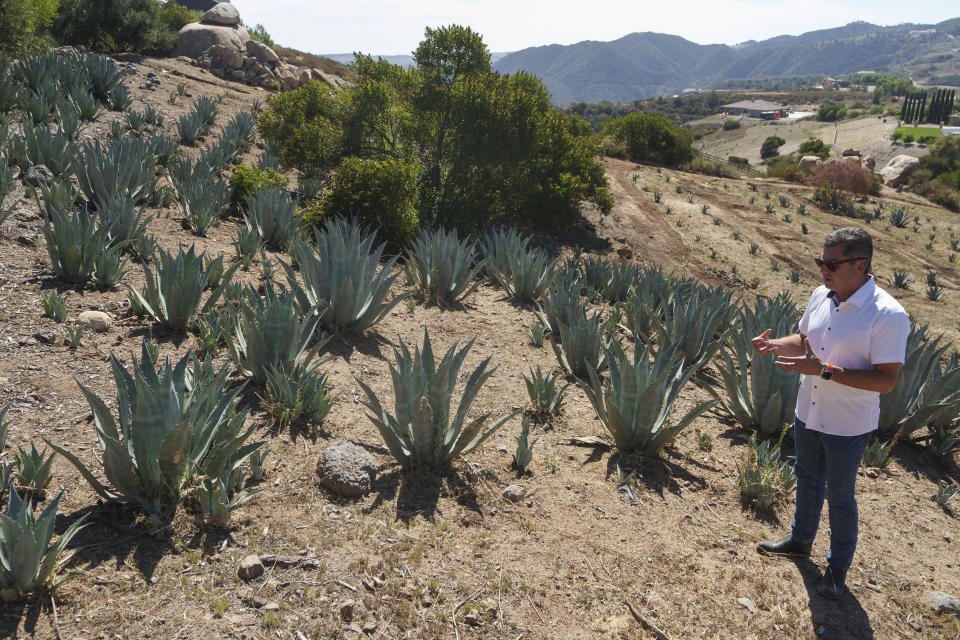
(392, 27)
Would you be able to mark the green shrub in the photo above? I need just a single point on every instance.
(259, 33)
(380, 193)
(814, 147)
(770, 146)
(174, 16)
(737, 160)
(831, 112)
(115, 25)
(20, 24)
(246, 182)
(729, 125)
(650, 138)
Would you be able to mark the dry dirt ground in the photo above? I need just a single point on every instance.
(422, 551)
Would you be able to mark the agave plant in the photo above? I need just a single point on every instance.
(699, 323)
(125, 166)
(922, 358)
(86, 105)
(583, 343)
(173, 293)
(221, 154)
(102, 75)
(341, 278)
(527, 275)
(441, 266)
(765, 478)
(275, 216)
(298, 396)
(270, 335)
(524, 453)
(119, 98)
(561, 303)
(164, 149)
(597, 273)
(27, 561)
(109, 268)
(74, 242)
(206, 109)
(33, 468)
(425, 431)
(172, 427)
(620, 284)
(938, 405)
(218, 498)
(125, 224)
(546, 395)
(759, 395)
(39, 145)
(635, 401)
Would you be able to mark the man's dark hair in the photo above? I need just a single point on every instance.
(855, 242)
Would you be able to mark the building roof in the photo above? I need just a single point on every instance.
(756, 105)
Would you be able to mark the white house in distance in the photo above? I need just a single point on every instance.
(756, 109)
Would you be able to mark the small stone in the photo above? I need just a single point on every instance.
(915, 626)
(502, 449)
(347, 608)
(472, 618)
(95, 320)
(369, 627)
(250, 567)
(748, 604)
(944, 602)
(514, 493)
(45, 336)
(38, 175)
(27, 240)
(271, 606)
(151, 74)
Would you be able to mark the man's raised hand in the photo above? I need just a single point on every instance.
(763, 343)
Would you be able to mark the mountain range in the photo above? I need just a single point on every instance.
(642, 65)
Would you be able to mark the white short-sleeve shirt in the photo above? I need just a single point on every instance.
(869, 328)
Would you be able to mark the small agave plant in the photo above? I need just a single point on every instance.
(173, 424)
(524, 453)
(27, 561)
(425, 431)
(442, 267)
(218, 498)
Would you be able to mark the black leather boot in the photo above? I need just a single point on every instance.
(787, 547)
(831, 584)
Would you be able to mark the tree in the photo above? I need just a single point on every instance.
(650, 138)
(814, 147)
(20, 24)
(114, 25)
(770, 146)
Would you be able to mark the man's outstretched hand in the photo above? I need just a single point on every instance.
(808, 364)
(763, 344)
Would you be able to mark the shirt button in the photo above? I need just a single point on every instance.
(813, 403)
(828, 328)
(821, 348)
(814, 386)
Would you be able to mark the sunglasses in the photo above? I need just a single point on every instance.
(833, 264)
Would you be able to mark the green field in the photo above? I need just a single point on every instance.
(917, 132)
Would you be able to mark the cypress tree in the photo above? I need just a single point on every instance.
(923, 106)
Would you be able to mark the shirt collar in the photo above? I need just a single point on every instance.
(860, 296)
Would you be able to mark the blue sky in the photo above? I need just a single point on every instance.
(388, 27)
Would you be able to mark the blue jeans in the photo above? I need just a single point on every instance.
(827, 462)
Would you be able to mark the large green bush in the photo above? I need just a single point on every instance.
(770, 145)
(246, 182)
(650, 138)
(486, 147)
(379, 193)
(831, 112)
(814, 147)
(116, 25)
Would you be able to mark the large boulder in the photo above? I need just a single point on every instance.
(809, 162)
(196, 37)
(221, 13)
(263, 53)
(899, 169)
(346, 469)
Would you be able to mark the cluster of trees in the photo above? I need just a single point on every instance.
(446, 142)
(915, 107)
(831, 112)
(770, 146)
(142, 26)
(642, 137)
(938, 178)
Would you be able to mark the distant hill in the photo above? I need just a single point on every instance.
(403, 61)
(641, 65)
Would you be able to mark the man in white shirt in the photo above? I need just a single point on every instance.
(849, 350)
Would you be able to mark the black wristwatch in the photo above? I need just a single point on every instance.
(827, 371)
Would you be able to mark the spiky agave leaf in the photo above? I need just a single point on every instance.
(275, 216)
(922, 356)
(423, 431)
(123, 167)
(441, 266)
(74, 242)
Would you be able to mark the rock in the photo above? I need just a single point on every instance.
(625, 253)
(899, 169)
(748, 604)
(869, 162)
(196, 37)
(346, 469)
(250, 568)
(271, 606)
(514, 493)
(238, 75)
(944, 602)
(473, 618)
(44, 336)
(304, 76)
(369, 626)
(218, 72)
(221, 13)
(850, 152)
(261, 52)
(38, 175)
(95, 320)
(229, 56)
(809, 162)
(347, 607)
(27, 239)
